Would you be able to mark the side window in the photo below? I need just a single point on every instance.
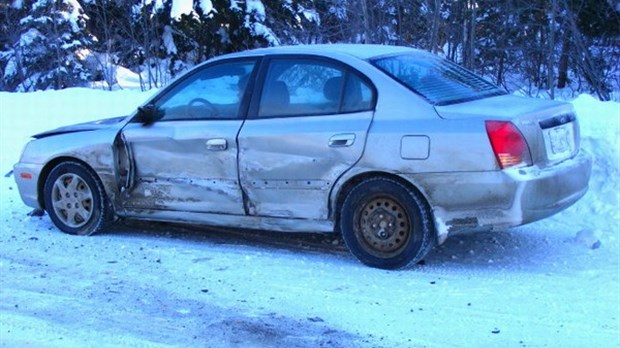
(299, 87)
(358, 96)
(212, 93)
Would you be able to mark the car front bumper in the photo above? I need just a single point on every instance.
(470, 201)
(27, 178)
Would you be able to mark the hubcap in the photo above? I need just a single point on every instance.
(72, 200)
(384, 226)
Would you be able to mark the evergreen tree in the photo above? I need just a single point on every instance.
(11, 13)
(46, 55)
(215, 27)
(536, 44)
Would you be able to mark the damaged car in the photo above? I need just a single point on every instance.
(394, 148)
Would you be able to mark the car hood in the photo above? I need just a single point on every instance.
(502, 107)
(82, 127)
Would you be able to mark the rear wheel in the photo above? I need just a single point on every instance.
(75, 199)
(385, 224)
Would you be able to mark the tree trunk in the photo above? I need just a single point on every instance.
(366, 21)
(500, 69)
(551, 50)
(563, 63)
(57, 52)
(472, 34)
(435, 28)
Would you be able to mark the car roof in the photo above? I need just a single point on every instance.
(360, 51)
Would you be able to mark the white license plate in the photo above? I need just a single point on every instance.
(559, 141)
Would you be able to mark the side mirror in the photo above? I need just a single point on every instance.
(149, 114)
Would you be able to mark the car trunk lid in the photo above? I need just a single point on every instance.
(550, 128)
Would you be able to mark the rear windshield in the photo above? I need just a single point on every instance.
(438, 80)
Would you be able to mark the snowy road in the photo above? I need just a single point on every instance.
(531, 287)
(555, 283)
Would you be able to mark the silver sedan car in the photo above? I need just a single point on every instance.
(394, 148)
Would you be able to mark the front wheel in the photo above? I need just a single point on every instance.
(385, 224)
(75, 199)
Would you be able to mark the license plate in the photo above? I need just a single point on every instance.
(559, 141)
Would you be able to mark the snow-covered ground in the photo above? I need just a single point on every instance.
(554, 283)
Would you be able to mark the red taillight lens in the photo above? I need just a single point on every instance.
(508, 144)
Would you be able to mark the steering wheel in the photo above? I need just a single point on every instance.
(212, 109)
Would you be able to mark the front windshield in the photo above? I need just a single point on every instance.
(438, 80)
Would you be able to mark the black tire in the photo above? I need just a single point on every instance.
(76, 200)
(386, 225)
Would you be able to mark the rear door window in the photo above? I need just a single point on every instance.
(296, 87)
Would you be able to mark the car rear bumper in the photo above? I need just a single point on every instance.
(471, 201)
(27, 178)
(554, 189)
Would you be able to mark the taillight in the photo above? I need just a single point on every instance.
(508, 144)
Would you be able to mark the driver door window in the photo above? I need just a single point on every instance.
(212, 93)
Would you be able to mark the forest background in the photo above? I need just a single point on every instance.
(534, 47)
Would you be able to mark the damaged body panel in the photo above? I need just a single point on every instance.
(176, 168)
(288, 168)
(92, 147)
(394, 148)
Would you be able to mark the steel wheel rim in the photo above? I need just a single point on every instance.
(383, 227)
(72, 200)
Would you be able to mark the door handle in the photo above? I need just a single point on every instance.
(342, 140)
(217, 144)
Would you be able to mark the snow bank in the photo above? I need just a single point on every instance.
(25, 114)
(600, 137)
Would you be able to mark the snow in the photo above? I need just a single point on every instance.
(234, 5)
(186, 7)
(554, 283)
(312, 15)
(181, 7)
(38, 4)
(257, 7)
(339, 11)
(206, 6)
(171, 48)
(24, 114)
(260, 29)
(600, 128)
(11, 68)
(75, 15)
(29, 37)
(17, 4)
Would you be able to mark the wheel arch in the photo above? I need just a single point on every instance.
(47, 168)
(346, 187)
